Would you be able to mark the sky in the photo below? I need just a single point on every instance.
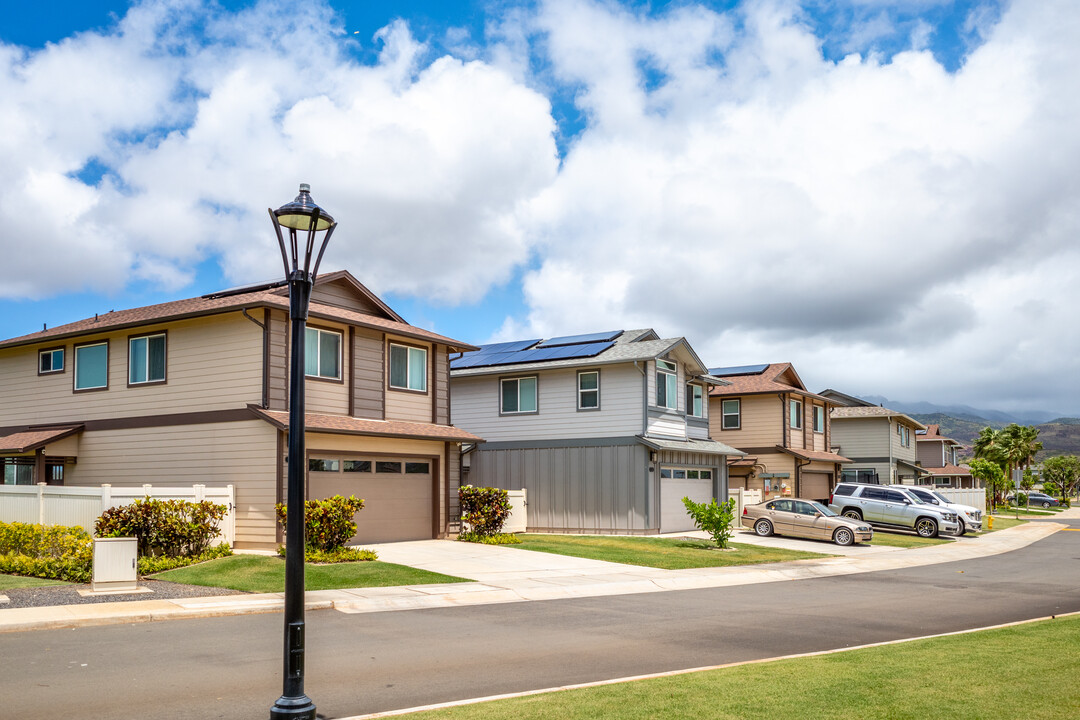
(885, 193)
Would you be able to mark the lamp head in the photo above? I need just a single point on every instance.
(297, 214)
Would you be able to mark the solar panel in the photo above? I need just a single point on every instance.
(581, 339)
(562, 352)
(575, 351)
(739, 370)
(512, 346)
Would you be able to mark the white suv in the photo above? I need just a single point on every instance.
(969, 518)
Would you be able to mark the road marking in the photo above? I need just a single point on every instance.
(672, 673)
(1071, 529)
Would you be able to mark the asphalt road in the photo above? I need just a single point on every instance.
(231, 667)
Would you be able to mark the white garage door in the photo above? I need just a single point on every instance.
(674, 486)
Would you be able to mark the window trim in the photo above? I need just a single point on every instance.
(724, 414)
(164, 380)
(75, 366)
(516, 378)
(674, 372)
(795, 417)
(63, 355)
(819, 410)
(340, 379)
(690, 397)
(579, 391)
(427, 367)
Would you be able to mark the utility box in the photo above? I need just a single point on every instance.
(115, 565)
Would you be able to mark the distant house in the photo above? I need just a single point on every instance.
(606, 432)
(785, 431)
(937, 454)
(880, 442)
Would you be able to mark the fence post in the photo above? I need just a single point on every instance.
(106, 496)
(231, 525)
(200, 492)
(41, 503)
(148, 489)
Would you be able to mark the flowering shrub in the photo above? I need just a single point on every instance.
(496, 539)
(152, 565)
(484, 509)
(46, 551)
(340, 555)
(328, 523)
(169, 528)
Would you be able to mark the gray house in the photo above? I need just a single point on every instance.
(606, 432)
(879, 441)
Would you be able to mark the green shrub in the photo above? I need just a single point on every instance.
(169, 528)
(149, 565)
(46, 551)
(713, 518)
(328, 523)
(496, 539)
(340, 555)
(484, 509)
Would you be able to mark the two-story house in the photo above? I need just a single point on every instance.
(879, 441)
(606, 432)
(196, 391)
(785, 431)
(938, 457)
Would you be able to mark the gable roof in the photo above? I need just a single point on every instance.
(933, 433)
(28, 440)
(844, 413)
(273, 295)
(773, 378)
(844, 399)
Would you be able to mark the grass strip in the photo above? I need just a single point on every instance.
(12, 582)
(903, 540)
(1024, 671)
(262, 574)
(666, 553)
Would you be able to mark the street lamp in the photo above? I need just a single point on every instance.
(300, 217)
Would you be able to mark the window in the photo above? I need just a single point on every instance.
(357, 466)
(730, 414)
(51, 361)
(18, 470)
(146, 359)
(518, 395)
(895, 496)
(408, 368)
(323, 465)
(685, 473)
(796, 414)
(695, 405)
(92, 366)
(417, 468)
(588, 390)
(385, 466)
(862, 476)
(819, 418)
(322, 354)
(905, 435)
(666, 384)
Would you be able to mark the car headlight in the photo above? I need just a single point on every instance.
(863, 528)
(950, 516)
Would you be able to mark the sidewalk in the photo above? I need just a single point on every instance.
(506, 574)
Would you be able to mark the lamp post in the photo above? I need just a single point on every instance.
(303, 219)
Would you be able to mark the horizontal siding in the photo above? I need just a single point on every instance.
(761, 420)
(931, 453)
(212, 363)
(341, 293)
(861, 437)
(367, 363)
(277, 324)
(404, 405)
(909, 453)
(475, 407)
(328, 397)
(668, 425)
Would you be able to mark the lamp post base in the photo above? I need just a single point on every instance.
(293, 708)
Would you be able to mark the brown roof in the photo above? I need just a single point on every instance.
(768, 381)
(820, 455)
(345, 425)
(199, 306)
(21, 442)
(948, 469)
(933, 432)
(872, 411)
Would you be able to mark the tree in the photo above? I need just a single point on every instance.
(1063, 472)
(989, 448)
(1014, 446)
(992, 476)
(714, 518)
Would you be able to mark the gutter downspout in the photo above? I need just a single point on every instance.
(798, 476)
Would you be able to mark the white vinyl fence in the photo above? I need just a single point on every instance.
(742, 499)
(82, 506)
(518, 520)
(975, 498)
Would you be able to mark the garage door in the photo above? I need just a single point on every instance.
(675, 484)
(815, 486)
(397, 494)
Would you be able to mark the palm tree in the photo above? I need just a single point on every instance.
(990, 445)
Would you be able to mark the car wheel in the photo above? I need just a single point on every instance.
(843, 536)
(853, 514)
(1046, 504)
(763, 528)
(926, 528)
(962, 529)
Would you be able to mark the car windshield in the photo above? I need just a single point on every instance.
(941, 497)
(823, 510)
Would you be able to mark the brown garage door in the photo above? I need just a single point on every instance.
(816, 486)
(396, 493)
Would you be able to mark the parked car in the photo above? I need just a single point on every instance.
(1035, 499)
(967, 517)
(892, 506)
(804, 518)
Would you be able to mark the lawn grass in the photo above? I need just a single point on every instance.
(1027, 671)
(262, 574)
(1032, 512)
(11, 582)
(666, 553)
(903, 540)
(1001, 522)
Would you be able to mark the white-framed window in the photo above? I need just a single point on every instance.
(795, 411)
(731, 414)
(695, 400)
(679, 473)
(322, 353)
(51, 361)
(588, 390)
(408, 367)
(905, 435)
(667, 384)
(146, 359)
(517, 395)
(92, 366)
(819, 418)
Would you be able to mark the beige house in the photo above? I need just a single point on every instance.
(937, 455)
(880, 442)
(195, 391)
(784, 429)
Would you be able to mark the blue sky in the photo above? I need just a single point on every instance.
(878, 191)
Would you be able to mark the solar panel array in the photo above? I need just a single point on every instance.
(527, 351)
(739, 370)
(581, 339)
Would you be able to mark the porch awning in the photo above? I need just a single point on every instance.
(31, 440)
(345, 425)
(919, 469)
(710, 447)
(818, 455)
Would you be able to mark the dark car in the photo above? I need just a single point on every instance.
(1035, 499)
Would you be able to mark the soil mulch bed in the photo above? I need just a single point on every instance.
(68, 594)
